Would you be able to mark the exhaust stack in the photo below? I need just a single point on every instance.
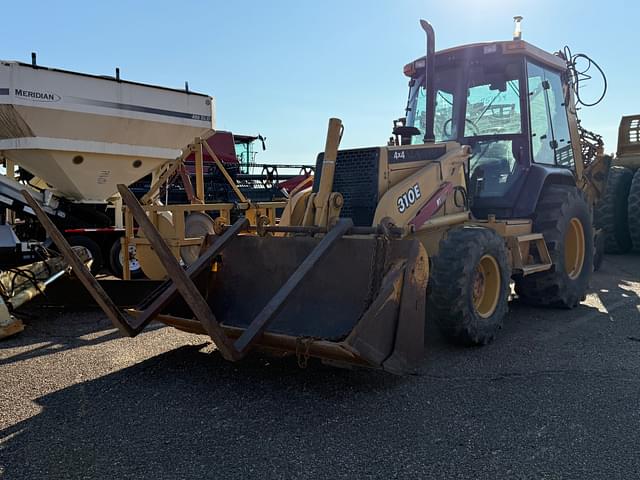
(429, 79)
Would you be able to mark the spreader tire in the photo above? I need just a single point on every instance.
(611, 211)
(469, 285)
(93, 247)
(633, 211)
(598, 251)
(116, 259)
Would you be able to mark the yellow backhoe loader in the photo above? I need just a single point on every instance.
(488, 179)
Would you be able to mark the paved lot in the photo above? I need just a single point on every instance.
(556, 396)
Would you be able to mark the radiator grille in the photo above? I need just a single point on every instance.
(356, 178)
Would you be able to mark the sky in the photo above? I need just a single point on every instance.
(283, 68)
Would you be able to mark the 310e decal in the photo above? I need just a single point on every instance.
(408, 198)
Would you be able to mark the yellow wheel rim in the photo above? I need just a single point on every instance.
(486, 286)
(574, 248)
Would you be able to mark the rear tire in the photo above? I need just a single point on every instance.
(564, 218)
(469, 285)
(611, 211)
(599, 247)
(633, 211)
(93, 247)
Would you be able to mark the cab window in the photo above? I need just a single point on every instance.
(559, 121)
(493, 108)
(444, 129)
(550, 139)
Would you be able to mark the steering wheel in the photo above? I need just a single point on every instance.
(449, 123)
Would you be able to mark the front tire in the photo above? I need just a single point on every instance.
(469, 285)
(564, 218)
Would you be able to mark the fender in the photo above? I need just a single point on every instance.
(537, 178)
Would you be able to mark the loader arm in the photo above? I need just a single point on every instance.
(430, 186)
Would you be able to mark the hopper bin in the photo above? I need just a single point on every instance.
(84, 134)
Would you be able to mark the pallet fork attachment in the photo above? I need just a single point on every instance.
(345, 298)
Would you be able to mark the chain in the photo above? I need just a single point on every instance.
(376, 268)
(303, 345)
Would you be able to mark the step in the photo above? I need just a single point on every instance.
(535, 268)
(530, 237)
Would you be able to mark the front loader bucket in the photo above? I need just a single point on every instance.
(345, 297)
(366, 296)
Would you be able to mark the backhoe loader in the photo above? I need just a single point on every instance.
(486, 181)
(618, 213)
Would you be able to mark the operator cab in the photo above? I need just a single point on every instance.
(507, 102)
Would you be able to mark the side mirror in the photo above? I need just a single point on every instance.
(406, 131)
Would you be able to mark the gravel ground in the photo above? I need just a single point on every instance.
(557, 395)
